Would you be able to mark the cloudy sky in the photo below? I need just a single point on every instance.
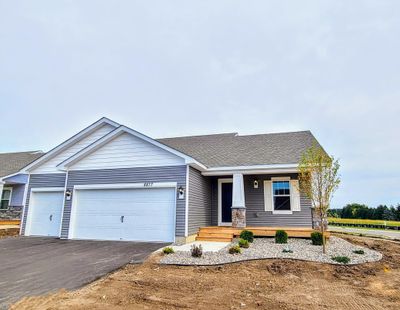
(170, 68)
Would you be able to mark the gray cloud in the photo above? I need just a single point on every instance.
(177, 67)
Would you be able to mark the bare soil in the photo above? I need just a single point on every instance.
(264, 284)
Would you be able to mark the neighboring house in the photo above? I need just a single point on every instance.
(12, 184)
(110, 182)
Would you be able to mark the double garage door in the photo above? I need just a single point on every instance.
(131, 214)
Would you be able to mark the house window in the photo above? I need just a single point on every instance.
(281, 195)
(5, 199)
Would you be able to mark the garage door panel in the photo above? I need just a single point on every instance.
(148, 214)
(45, 210)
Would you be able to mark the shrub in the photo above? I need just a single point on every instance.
(168, 250)
(196, 250)
(243, 243)
(287, 251)
(281, 236)
(359, 252)
(316, 238)
(247, 235)
(341, 259)
(235, 249)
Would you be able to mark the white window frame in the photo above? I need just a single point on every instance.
(277, 179)
(9, 200)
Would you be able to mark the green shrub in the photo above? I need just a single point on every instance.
(287, 251)
(168, 250)
(243, 243)
(316, 238)
(196, 250)
(235, 249)
(247, 235)
(341, 259)
(281, 236)
(359, 252)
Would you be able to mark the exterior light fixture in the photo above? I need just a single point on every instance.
(68, 194)
(255, 183)
(181, 193)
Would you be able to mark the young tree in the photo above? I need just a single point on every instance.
(318, 180)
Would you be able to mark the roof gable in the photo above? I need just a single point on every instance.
(48, 163)
(125, 147)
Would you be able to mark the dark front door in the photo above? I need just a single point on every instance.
(226, 202)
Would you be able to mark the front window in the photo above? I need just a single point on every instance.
(5, 199)
(281, 195)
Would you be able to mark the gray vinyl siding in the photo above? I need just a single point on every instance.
(199, 201)
(254, 200)
(128, 175)
(17, 195)
(41, 180)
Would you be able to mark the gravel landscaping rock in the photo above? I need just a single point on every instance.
(267, 248)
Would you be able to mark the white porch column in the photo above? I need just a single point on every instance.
(238, 203)
(1, 188)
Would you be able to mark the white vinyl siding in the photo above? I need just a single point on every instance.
(126, 151)
(50, 166)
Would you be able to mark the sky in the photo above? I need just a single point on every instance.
(169, 68)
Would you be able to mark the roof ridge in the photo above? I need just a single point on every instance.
(275, 133)
(208, 135)
(26, 152)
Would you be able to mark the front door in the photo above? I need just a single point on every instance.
(226, 203)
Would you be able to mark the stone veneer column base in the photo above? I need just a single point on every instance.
(239, 217)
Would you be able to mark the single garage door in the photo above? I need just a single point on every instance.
(44, 213)
(139, 214)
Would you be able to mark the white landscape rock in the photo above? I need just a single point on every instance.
(207, 246)
(267, 248)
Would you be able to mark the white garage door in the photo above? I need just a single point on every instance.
(44, 213)
(124, 214)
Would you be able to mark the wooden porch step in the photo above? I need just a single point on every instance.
(10, 222)
(224, 232)
(212, 234)
(216, 239)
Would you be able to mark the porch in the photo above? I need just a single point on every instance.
(12, 191)
(227, 233)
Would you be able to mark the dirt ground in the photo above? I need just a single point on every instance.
(264, 284)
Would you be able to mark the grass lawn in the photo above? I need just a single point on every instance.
(361, 222)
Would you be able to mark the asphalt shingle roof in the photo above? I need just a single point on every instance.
(13, 162)
(231, 149)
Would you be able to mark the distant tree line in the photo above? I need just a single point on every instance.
(360, 211)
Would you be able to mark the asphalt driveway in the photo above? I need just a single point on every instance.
(32, 266)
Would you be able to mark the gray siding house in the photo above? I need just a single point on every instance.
(13, 183)
(110, 182)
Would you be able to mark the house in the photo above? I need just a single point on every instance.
(12, 184)
(110, 182)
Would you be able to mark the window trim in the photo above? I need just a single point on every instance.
(9, 199)
(277, 179)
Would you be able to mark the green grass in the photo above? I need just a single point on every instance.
(360, 222)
